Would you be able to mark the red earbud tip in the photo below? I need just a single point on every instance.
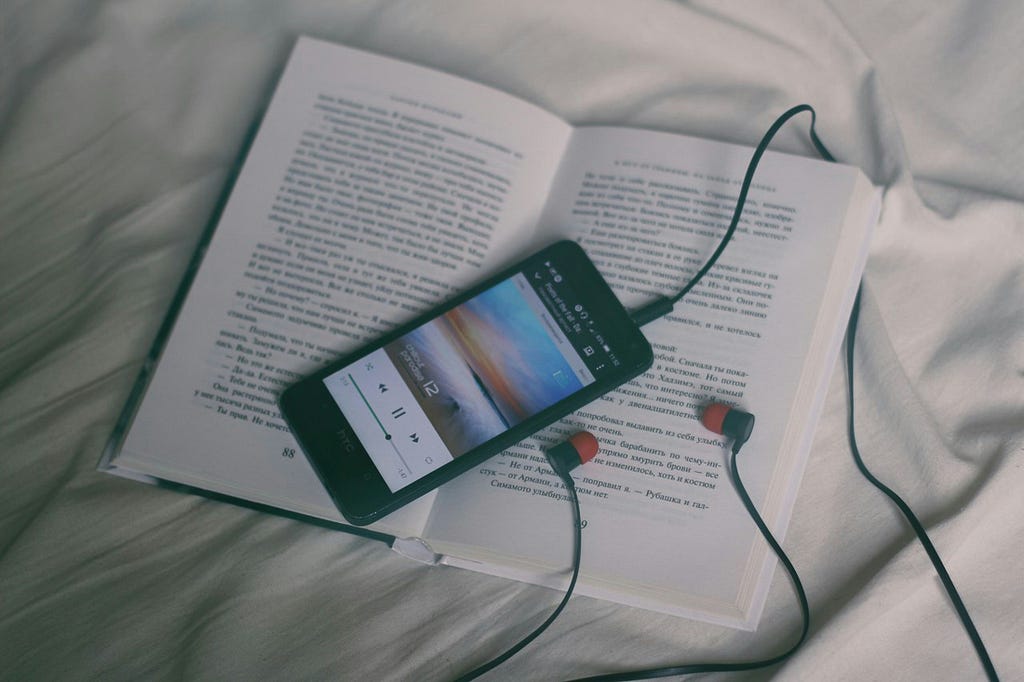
(585, 445)
(713, 416)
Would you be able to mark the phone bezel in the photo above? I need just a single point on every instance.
(346, 469)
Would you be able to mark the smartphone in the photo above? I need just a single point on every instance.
(437, 396)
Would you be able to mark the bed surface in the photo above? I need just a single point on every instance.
(118, 125)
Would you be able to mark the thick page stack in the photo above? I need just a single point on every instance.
(376, 188)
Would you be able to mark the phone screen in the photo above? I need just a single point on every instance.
(473, 372)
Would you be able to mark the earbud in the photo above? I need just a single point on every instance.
(579, 449)
(729, 422)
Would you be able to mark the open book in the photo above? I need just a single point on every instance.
(375, 189)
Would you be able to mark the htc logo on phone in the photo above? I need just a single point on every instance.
(346, 439)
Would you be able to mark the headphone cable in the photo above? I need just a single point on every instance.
(908, 513)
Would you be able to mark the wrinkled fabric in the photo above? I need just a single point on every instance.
(119, 123)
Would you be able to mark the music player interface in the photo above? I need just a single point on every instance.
(470, 374)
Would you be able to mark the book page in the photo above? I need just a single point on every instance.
(662, 518)
(374, 190)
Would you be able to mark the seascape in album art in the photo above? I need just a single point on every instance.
(483, 366)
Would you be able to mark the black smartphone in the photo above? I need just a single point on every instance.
(432, 399)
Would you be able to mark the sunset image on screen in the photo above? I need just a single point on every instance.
(483, 367)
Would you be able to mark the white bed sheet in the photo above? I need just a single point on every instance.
(118, 124)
